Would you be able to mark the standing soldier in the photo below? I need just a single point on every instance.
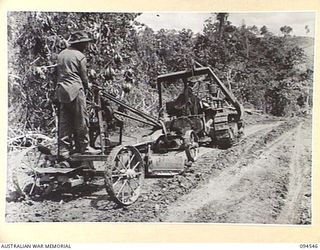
(71, 87)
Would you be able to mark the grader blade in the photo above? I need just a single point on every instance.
(169, 164)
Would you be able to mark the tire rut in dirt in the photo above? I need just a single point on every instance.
(296, 209)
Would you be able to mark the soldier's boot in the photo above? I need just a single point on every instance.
(64, 147)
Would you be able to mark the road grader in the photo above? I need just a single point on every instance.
(171, 148)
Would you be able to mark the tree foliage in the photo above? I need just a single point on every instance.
(35, 39)
(126, 56)
(262, 69)
(286, 30)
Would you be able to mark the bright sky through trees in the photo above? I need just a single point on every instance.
(302, 23)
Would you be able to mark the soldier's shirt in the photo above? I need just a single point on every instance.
(72, 74)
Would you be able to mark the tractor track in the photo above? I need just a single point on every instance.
(160, 196)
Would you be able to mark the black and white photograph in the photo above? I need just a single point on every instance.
(160, 117)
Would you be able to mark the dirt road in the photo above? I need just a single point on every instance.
(269, 188)
(265, 178)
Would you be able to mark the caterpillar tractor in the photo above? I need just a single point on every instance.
(205, 106)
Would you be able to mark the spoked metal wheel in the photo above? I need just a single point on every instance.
(24, 174)
(125, 174)
(191, 145)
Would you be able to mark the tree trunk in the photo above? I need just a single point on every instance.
(247, 45)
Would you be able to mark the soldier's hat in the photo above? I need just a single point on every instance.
(79, 37)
